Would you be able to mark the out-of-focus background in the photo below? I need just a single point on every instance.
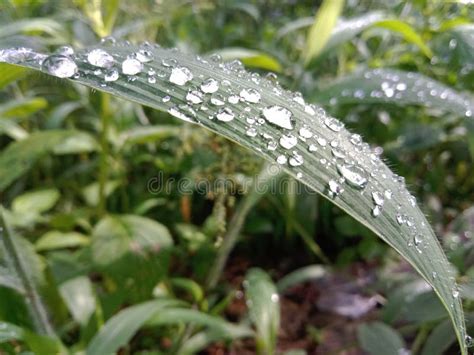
(82, 225)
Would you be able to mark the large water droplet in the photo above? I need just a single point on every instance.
(250, 95)
(60, 66)
(100, 58)
(180, 75)
(279, 116)
(131, 66)
(355, 175)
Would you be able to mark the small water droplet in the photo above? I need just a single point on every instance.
(144, 56)
(250, 95)
(281, 159)
(469, 341)
(100, 58)
(401, 219)
(209, 86)
(60, 66)
(417, 239)
(279, 116)
(335, 189)
(356, 139)
(296, 159)
(321, 141)
(217, 99)
(225, 115)
(355, 175)
(333, 124)
(376, 211)
(305, 132)
(272, 145)
(378, 198)
(251, 132)
(111, 75)
(131, 66)
(233, 99)
(275, 298)
(455, 292)
(194, 97)
(151, 79)
(288, 141)
(65, 50)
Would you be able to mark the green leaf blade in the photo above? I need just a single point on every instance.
(329, 160)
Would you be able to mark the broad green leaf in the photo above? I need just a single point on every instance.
(251, 58)
(119, 329)
(22, 108)
(115, 236)
(407, 32)
(321, 30)
(42, 344)
(81, 142)
(459, 45)
(264, 308)
(90, 193)
(304, 274)
(439, 340)
(35, 202)
(19, 157)
(378, 338)
(9, 332)
(9, 74)
(12, 129)
(34, 26)
(396, 87)
(7, 279)
(58, 240)
(78, 294)
(307, 143)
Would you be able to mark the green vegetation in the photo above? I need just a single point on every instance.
(130, 224)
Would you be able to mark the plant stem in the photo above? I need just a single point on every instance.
(104, 152)
(236, 223)
(36, 307)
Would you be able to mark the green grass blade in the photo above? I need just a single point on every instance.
(396, 87)
(279, 126)
(264, 308)
(321, 30)
(407, 32)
